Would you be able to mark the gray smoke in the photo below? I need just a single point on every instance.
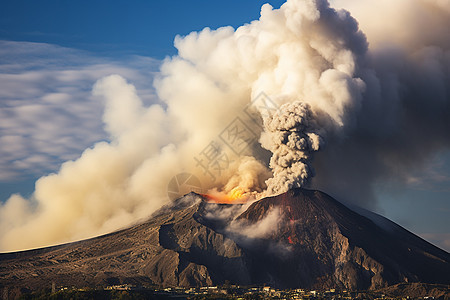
(404, 117)
(292, 135)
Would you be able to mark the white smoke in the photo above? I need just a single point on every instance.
(369, 104)
(264, 228)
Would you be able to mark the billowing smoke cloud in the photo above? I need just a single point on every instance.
(404, 118)
(292, 136)
(378, 112)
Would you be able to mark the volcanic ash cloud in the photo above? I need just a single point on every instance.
(292, 135)
(369, 102)
(304, 50)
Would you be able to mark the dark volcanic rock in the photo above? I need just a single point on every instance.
(331, 245)
(315, 242)
(417, 290)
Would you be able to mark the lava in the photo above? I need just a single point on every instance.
(235, 196)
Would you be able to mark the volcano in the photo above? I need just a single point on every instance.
(299, 239)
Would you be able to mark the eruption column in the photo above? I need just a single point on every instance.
(292, 135)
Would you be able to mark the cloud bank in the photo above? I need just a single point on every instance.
(47, 113)
(376, 110)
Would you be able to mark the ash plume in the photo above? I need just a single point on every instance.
(292, 135)
(381, 108)
(404, 116)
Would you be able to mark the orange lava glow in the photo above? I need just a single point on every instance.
(235, 196)
(290, 240)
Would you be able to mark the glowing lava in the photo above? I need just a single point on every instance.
(290, 240)
(236, 195)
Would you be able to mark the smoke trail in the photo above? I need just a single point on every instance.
(370, 104)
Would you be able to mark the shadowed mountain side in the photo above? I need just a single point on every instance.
(171, 249)
(330, 244)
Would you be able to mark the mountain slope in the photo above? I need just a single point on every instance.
(311, 241)
(340, 247)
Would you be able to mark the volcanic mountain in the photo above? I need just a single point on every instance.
(302, 239)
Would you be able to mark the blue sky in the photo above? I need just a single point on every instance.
(119, 27)
(53, 51)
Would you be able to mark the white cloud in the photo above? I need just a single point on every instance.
(47, 112)
(261, 229)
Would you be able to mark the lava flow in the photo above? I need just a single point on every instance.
(235, 196)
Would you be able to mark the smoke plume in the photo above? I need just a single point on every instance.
(403, 119)
(369, 106)
(292, 135)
